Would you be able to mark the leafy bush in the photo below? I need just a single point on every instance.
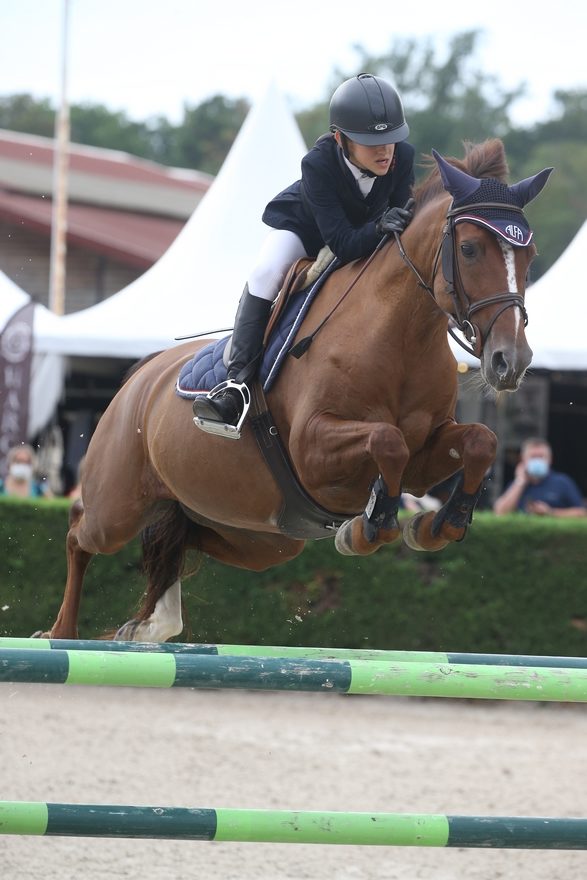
(515, 585)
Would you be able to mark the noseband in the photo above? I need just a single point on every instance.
(463, 307)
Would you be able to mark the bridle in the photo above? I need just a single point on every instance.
(464, 309)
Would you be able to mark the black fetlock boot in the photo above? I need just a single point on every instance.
(221, 409)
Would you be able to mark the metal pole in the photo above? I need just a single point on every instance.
(40, 818)
(387, 678)
(60, 169)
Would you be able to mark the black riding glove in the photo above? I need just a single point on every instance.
(395, 219)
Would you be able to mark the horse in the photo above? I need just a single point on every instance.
(366, 412)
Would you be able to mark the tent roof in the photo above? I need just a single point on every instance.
(195, 286)
(557, 304)
(12, 298)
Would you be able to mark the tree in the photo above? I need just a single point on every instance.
(446, 101)
(559, 142)
(98, 126)
(207, 132)
(27, 114)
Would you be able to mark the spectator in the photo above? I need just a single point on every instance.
(20, 478)
(538, 489)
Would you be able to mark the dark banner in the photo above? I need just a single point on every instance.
(16, 348)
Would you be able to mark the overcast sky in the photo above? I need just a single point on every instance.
(148, 57)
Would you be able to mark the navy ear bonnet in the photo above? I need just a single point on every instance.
(467, 192)
(509, 225)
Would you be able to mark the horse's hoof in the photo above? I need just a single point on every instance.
(410, 532)
(39, 634)
(412, 539)
(127, 631)
(343, 540)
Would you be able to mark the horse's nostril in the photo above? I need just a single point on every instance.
(499, 364)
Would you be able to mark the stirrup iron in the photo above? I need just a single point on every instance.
(223, 429)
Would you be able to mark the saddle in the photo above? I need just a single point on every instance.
(301, 275)
(302, 283)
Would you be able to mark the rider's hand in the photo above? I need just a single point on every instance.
(395, 219)
(541, 508)
(520, 474)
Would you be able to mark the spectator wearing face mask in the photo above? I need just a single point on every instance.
(538, 489)
(20, 479)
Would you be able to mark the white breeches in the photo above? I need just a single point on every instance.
(280, 249)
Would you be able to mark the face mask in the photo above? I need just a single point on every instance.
(21, 471)
(537, 468)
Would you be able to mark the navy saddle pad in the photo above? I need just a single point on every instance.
(206, 369)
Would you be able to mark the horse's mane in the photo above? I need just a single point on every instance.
(481, 160)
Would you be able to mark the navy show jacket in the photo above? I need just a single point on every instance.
(327, 207)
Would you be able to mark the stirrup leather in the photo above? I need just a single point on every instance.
(223, 429)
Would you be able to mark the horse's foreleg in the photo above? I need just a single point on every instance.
(474, 447)
(377, 525)
(338, 449)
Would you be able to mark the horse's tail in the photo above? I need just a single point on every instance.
(164, 545)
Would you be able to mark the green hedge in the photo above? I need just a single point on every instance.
(517, 584)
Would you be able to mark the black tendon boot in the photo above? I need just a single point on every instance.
(224, 404)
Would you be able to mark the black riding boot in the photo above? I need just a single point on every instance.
(245, 347)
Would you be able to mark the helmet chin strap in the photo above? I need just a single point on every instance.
(344, 144)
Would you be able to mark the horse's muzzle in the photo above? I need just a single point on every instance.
(504, 368)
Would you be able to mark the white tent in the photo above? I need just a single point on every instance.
(195, 286)
(556, 305)
(47, 370)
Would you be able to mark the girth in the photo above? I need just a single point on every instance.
(300, 517)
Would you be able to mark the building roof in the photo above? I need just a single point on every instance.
(118, 205)
(100, 177)
(133, 239)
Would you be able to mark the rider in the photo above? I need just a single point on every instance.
(355, 181)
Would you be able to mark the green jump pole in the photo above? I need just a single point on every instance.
(284, 826)
(300, 653)
(417, 679)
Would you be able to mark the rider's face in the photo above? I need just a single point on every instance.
(376, 159)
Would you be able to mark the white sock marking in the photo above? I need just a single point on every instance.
(165, 621)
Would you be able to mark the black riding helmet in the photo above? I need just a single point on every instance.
(369, 111)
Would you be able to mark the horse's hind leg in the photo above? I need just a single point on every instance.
(164, 621)
(164, 546)
(65, 626)
(160, 615)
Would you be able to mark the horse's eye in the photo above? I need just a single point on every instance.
(467, 249)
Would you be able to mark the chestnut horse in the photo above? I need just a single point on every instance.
(367, 412)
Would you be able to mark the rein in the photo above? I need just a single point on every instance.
(304, 344)
(464, 308)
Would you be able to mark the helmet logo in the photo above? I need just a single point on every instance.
(514, 232)
(381, 126)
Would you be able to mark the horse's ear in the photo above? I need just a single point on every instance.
(528, 189)
(458, 183)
